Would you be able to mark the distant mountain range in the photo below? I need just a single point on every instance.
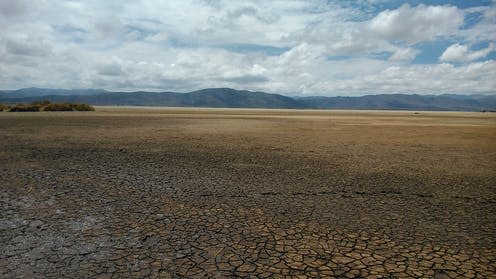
(231, 98)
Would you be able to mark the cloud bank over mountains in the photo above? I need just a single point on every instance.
(294, 47)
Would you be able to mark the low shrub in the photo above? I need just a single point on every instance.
(67, 107)
(46, 106)
(82, 107)
(4, 107)
(40, 103)
(24, 107)
(58, 107)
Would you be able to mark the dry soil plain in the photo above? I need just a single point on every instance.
(204, 193)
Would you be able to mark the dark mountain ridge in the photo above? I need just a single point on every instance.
(231, 98)
(34, 92)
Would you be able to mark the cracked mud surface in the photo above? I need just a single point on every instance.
(172, 193)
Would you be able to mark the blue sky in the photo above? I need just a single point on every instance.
(294, 47)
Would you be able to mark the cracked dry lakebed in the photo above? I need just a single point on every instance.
(224, 193)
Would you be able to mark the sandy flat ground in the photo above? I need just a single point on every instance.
(189, 192)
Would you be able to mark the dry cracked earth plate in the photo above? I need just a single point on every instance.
(204, 193)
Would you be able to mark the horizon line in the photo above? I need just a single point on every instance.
(292, 95)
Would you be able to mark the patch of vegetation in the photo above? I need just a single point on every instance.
(4, 107)
(68, 107)
(40, 103)
(46, 106)
(24, 107)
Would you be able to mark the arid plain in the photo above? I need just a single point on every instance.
(220, 193)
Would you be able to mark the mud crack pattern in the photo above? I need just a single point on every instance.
(223, 205)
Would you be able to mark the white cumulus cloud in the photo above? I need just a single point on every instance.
(415, 24)
(461, 53)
